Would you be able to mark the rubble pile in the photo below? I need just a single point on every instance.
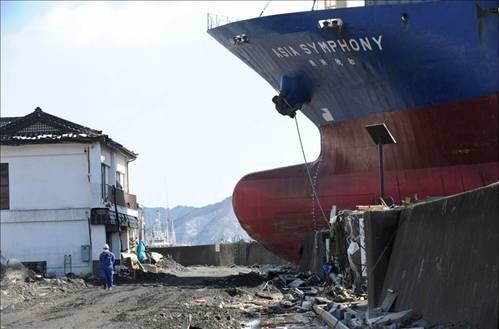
(284, 300)
(291, 297)
(264, 305)
(168, 264)
(19, 284)
(356, 316)
(352, 317)
(347, 253)
(153, 262)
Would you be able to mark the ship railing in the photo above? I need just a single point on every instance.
(214, 20)
(329, 4)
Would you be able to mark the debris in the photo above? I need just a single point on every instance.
(307, 305)
(235, 292)
(296, 283)
(268, 291)
(298, 292)
(401, 317)
(187, 322)
(388, 301)
(263, 295)
(151, 268)
(323, 300)
(155, 257)
(169, 265)
(130, 260)
(286, 321)
(279, 298)
(33, 276)
(378, 207)
(329, 318)
(312, 292)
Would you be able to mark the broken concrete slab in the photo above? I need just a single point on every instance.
(331, 321)
(388, 300)
(401, 317)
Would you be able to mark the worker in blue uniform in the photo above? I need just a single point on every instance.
(106, 260)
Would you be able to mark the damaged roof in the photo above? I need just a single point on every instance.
(40, 127)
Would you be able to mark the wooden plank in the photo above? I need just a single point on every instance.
(332, 322)
(372, 208)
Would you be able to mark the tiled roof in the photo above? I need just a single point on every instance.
(7, 120)
(40, 127)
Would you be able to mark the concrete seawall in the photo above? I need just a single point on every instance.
(244, 254)
(444, 259)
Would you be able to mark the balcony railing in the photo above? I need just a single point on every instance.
(123, 198)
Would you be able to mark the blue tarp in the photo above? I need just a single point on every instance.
(141, 251)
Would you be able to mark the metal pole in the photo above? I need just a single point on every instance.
(381, 173)
(117, 216)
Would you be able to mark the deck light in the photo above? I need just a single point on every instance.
(381, 135)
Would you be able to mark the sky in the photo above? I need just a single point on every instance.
(148, 75)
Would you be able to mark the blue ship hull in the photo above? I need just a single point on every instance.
(446, 51)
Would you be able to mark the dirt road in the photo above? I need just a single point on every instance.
(206, 294)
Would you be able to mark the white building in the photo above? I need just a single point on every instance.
(57, 204)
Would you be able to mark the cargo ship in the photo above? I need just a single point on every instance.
(426, 69)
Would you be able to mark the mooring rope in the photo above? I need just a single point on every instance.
(265, 7)
(314, 192)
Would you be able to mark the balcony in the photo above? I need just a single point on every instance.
(123, 198)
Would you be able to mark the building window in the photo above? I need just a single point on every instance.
(120, 180)
(4, 186)
(104, 170)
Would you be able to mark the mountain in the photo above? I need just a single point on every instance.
(210, 224)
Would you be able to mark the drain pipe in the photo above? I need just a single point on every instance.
(91, 261)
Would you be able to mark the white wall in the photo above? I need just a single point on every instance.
(122, 167)
(54, 176)
(98, 240)
(106, 156)
(115, 243)
(95, 175)
(116, 161)
(46, 236)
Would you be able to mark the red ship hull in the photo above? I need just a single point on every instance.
(441, 150)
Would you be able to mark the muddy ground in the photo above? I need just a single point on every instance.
(212, 297)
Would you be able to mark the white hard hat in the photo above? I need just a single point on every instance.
(106, 247)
